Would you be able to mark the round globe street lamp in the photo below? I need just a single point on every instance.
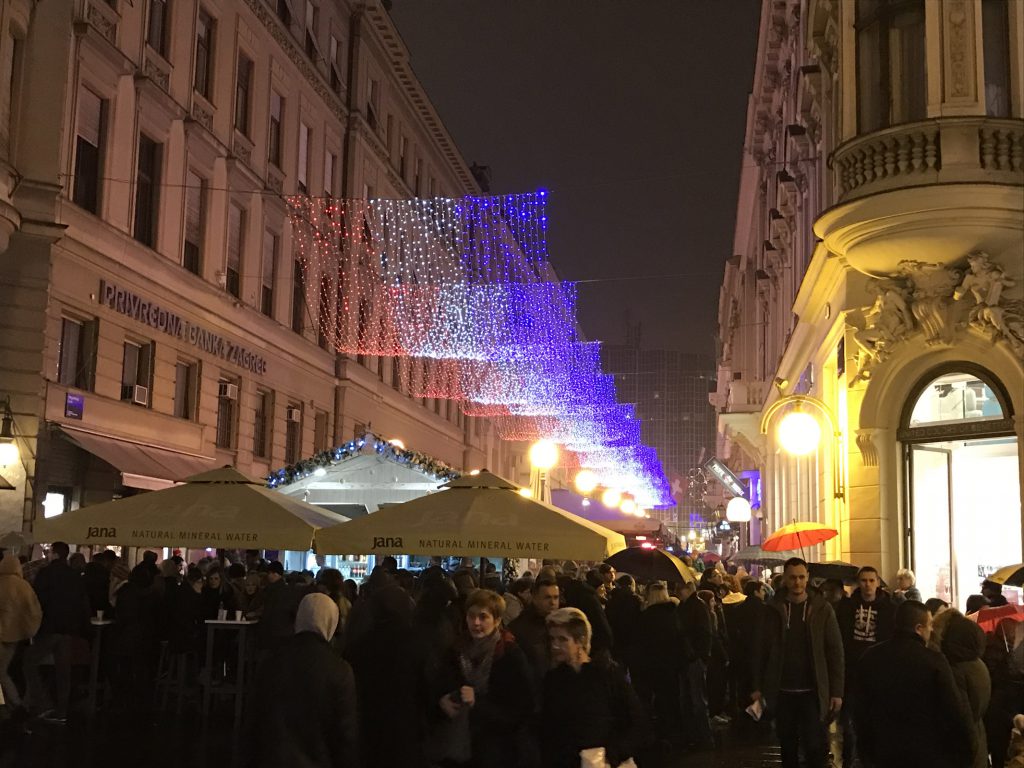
(799, 433)
(611, 497)
(738, 510)
(628, 506)
(586, 481)
(543, 456)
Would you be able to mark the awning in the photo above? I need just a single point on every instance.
(141, 466)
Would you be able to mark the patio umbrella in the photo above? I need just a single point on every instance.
(479, 515)
(990, 618)
(1009, 576)
(647, 565)
(219, 508)
(754, 555)
(798, 535)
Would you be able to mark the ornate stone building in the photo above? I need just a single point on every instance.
(154, 317)
(877, 282)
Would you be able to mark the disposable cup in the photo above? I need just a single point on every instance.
(239, 615)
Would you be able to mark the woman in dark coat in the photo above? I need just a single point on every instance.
(655, 657)
(963, 644)
(486, 692)
(586, 704)
(138, 608)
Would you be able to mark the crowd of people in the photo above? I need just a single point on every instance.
(570, 664)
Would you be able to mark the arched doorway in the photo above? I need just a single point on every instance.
(962, 482)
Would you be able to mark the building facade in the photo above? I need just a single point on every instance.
(877, 283)
(670, 391)
(156, 320)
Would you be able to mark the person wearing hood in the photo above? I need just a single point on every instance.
(798, 671)
(963, 644)
(308, 715)
(908, 712)
(623, 613)
(485, 695)
(655, 660)
(865, 619)
(20, 616)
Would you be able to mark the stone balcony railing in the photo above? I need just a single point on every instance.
(746, 396)
(941, 151)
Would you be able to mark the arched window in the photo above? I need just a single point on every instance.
(961, 400)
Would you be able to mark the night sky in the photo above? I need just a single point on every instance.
(631, 113)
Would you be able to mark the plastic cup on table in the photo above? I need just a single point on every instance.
(99, 615)
(222, 614)
(239, 615)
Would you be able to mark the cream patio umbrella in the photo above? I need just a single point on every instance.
(219, 508)
(480, 515)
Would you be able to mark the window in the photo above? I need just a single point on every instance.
(330, 161)
(995, 26)
(76, 355)
(312, 16)
(891, 85)
(137, 372)
(276, 112)
(418, 181)
(298, 296)
(147, 190)
(396, 373)
(195, 205)
(268, 273)
(335, 63)
(363, 321)
(186, 388)
(303, 168)
(293, 433)
(284, 12)
(321, 439)
(10, 88)
(323, 311)
(204, 54)
(243, 89)
(261, 424)
(403, 153)
(236, 246)
(226, 400)
(88, 150)
(373, 104)
(359, 430)
(156, 31)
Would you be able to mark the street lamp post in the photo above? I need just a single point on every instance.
(543, 457)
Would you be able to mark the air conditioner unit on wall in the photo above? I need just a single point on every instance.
(227, 390)
(293, 414)
(135, 393)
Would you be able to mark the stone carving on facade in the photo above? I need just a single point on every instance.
(887, 322)
(868, 449)
(102, 24)
(941, 302)
(959, 48)
(202, 115)
(992, 313)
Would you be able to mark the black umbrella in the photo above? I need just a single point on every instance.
(834, 569)
(647, 565)
(754, 555)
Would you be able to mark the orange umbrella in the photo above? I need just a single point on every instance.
(990, 618)
(798, 536)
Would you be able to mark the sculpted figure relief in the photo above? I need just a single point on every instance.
(992, 313)
(887, 322)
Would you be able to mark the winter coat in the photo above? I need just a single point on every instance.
(62, 596)
(97, 587)
(138, 615)
(902, 681)
(531, 634)
(826, 652)
(304, 711)
(657, 642)
(743, 621)
(695, 622)
(498, 720)
(595, 707)
(20, 612)
(864, 625)
(580, 595)
(277, 618)
(623, 613)
(963, 646)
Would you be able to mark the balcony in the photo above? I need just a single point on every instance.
(931, 191)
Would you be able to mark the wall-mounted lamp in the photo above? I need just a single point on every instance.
(799, 432)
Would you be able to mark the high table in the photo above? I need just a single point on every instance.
(98, 625)
(236, 689)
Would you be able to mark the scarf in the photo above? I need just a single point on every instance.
(476, 660)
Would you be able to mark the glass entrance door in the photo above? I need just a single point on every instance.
(930, 527)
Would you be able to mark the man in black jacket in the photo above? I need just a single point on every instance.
(581, 595)
(277, 617)
(865, 619)
(65, 604)
(531, 631)
(623, 612)
(695, 622)
(306, 714)
(908, 712)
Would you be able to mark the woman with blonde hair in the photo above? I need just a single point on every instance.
(905, 589)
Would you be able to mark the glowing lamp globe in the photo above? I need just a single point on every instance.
(8, 453)
(692, 536)
(611, 498)
(398, 444)
(799, 433)
(526, 493)
(628, 506)
(738, 510)
(586, 481)
(543, 455)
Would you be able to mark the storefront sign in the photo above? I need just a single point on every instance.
(164, 320)
(74, 405)
(725, 476)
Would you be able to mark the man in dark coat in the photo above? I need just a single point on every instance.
(695, 624)
(623, 612)
(530, 629)
(865, 619)
(277, 618)
(579, 594)
(306, 711)
(97, 581)
(904, 682)
(743, 621)
(798, 674)
(65, 604)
